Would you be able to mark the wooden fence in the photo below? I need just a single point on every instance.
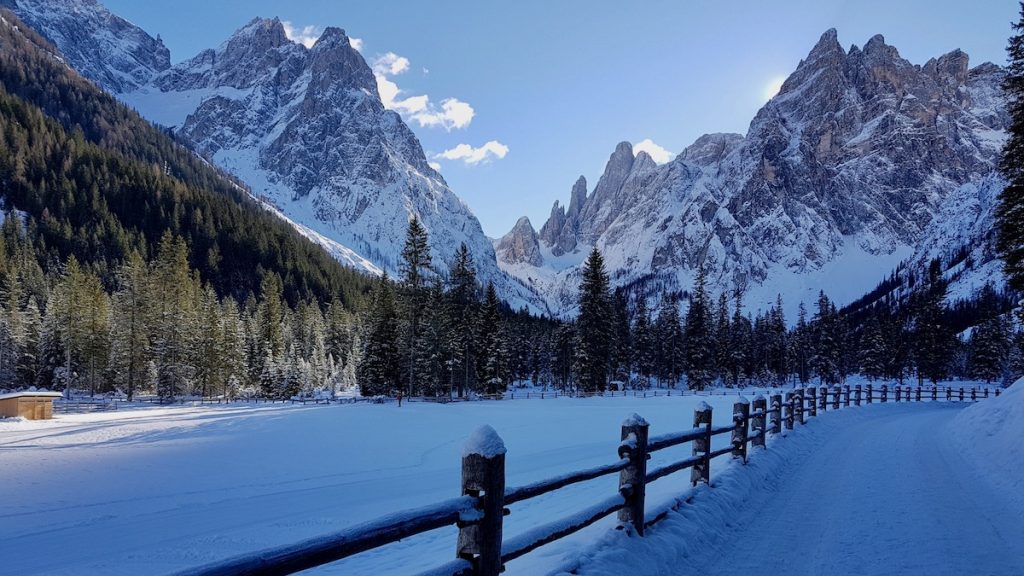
(478, 513)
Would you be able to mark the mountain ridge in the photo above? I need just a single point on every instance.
(847, 165)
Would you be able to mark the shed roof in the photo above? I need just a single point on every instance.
(31, 394)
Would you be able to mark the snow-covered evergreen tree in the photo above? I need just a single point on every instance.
(593, 326)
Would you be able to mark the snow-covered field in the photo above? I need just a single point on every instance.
(154, 490)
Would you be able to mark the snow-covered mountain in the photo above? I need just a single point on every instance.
(837, 180)
(304, 128)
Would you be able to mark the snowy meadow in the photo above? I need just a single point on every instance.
(155, 490)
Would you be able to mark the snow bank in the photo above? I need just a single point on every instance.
(989, 434)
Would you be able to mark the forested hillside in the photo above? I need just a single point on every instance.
(95, 181)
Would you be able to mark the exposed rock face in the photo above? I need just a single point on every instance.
(303, 127)
(849, 163)
(520, 245)
(101, 46)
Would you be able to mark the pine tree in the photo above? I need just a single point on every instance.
(130, 349)
(873, 349)
(593, 326)
(722, 329)
(778, 346)
(670, 342)
(643, 342)
(1010, 211)
(463, 296)
(933, 339)
(415, 268)
(175, 322)
(800, 346)
(738, 338)
(826, 346)
(378, 370)
(622, 338)
(700, 352)
(491, 353)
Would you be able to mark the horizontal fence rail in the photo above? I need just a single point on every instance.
(481, 549)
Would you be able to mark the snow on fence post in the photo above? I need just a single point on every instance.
(633, 478)
(812, 402)
(856, 395)
(870, 392)
(790, 409)
(846, 395)
(483, 476)
(757, 421)
(740, 431)
(885, 393)
(776, 420)
(701, 472)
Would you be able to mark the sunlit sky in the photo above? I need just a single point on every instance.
(515, 100)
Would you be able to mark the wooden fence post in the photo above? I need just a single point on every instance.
(791, 409)
(974, 394)
(885, 393)
(917, 394)
(899, 391)
(740, 431)
(483, 476)
(998, 391)
(823, 401)
(856, 395)
(986, 392)
(799, 416)
(846, 395)
(701, 472)
(777, 414)
(757, 421)
(835, 397)
(949, 394)
(870, 393)
(812, 401)
(961, 393)
(633, 478)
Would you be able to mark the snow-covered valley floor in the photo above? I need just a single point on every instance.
(151, 491)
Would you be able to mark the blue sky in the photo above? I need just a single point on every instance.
(555, 85)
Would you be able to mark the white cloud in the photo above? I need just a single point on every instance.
(470, 155)
(306, 35)
(657, 153)
(435, 165)
(390, 64)
(356, 43)
(451, 114)
(454, 113)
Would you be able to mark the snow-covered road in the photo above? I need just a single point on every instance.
(889, 495)
(879, 490)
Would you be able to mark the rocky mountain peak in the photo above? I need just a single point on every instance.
(520, 245)
(711, 148)
(846, 166)
(102, 46)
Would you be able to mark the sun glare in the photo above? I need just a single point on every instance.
(773, 87)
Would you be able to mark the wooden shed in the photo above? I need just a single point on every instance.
(29, 404)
